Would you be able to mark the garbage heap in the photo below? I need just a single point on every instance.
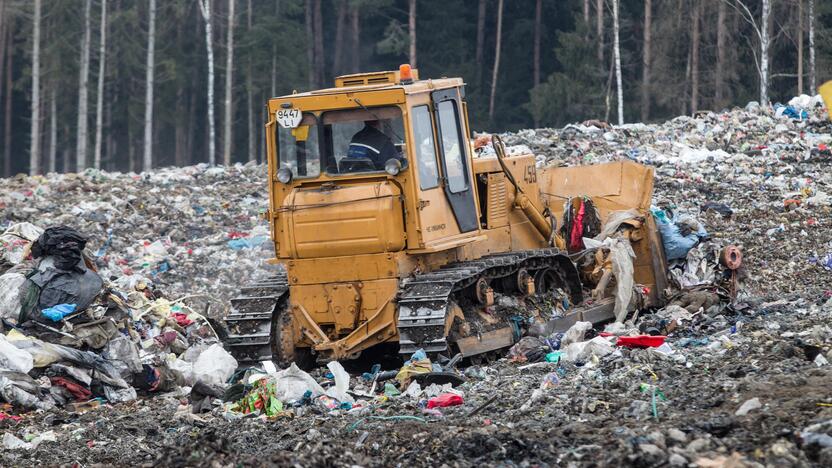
(755, 176)
(72, 337)
(191, 231)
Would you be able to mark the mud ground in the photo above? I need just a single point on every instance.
(596, 416)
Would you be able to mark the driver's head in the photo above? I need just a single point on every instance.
(376, 124)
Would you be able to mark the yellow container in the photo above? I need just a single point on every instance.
(825, 91)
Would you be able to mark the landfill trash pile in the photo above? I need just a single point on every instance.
(71, 337)
(194, 231)
(757, 177)
(733, 372)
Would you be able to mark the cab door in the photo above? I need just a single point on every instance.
(435, 221)
(453, 151)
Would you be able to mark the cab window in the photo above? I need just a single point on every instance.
(425, 147)
(455, 170)
(362, 140)
(298, 148)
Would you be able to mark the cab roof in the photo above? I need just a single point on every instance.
(377, 81)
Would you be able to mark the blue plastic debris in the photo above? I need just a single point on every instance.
(58, 312)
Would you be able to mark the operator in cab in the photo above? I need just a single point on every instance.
(371, 143)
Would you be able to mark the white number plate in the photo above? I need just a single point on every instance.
(288, 118)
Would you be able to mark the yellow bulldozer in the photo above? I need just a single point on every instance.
(393, 230)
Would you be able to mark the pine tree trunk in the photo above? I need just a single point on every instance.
(719, 71)
(617, 52)
(81, 135)
(356, 39)
(764, 49)
(99, 99)
(599, 31)
(340, 25)
(496, 71)
(3, 41)
(34, 134)
(189, 145)
(320, 78)
(310, 44)
(645, 61)
(7, 119)
(812, 71)
(480, 39)
(799, 47)
(147, 160)
(538, 14)
(227, 135)
(252, 156)
(179, 132)
(274, 71)
(53, 129)
(586, 13)
(411, 28)
(205, 9)
(694, 68)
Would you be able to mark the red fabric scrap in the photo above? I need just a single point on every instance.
(77, 390)
(576, 241)
(4, 415)
(181, 319)
(166, 338)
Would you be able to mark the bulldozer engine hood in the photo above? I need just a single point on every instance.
(339, 220)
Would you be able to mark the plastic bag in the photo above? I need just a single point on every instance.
(21, 390)
(342, 382)
(621, 256)
(675, 244)
(10, 284)
(292, 383)
(444, 400)
(182, 370)
(58, 312)
(214, 366)
(575, 333)
(119, 395)
(124, 354)
(44, 354)
(583, 351)
(14, 359)
(15, 242)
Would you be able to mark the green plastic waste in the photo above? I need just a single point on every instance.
(554, 356)
(391, 390)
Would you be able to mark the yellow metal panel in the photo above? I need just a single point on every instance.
(346, 220)
(614, 186)
(497, 208)
(336, 318)
(342, 269)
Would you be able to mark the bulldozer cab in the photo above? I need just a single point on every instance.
(384, 160)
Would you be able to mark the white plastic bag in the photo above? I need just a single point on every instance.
(183, 370)
(342, 382)
(10, 285)
(214, 366)
(14, 359)
(583, 351)
(575, 333)
(621, 255)
(292, 383)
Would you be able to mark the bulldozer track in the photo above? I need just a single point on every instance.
(424, 299)
(250, 320)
